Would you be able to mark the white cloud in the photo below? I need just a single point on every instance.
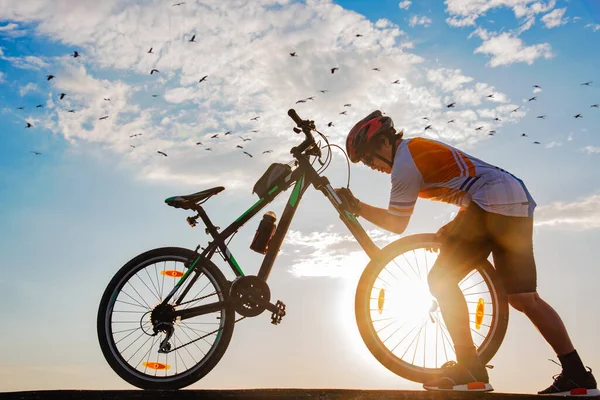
(537, 90)
(25, 62)
(459, 22)
(405, 4)
(506, 49)
(447, 79)
(591, 149)
(30, 87)
(575, 19)
(8, 27)
(553, 144)
(555, 18)
(593, 27)
(420, 20)
(581, 214)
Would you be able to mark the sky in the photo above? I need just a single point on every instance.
(93, 198)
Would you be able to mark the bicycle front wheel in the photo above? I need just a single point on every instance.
(125, 327)
(400, 321)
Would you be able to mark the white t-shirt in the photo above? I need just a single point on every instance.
(436, 171)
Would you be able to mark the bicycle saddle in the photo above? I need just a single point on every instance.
(188, 201)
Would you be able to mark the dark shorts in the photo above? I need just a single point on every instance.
(477, 234)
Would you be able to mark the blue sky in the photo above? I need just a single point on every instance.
(74, 214)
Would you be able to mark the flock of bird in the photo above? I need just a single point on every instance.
(333, 70)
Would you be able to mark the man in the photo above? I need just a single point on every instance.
(496, 216)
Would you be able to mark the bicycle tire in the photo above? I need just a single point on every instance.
(487, 348)
(104, 329)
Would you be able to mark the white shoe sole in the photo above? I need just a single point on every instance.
(471, 387)
(576, 393)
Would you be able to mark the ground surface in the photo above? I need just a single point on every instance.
(269, 394)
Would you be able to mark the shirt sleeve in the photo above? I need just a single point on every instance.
(406, 184)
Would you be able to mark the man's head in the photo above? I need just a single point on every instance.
(373, 141)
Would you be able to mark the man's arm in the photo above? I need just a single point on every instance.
(383, 218)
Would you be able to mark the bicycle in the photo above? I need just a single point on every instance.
(159, 312)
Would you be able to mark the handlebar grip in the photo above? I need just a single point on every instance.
(294, 115)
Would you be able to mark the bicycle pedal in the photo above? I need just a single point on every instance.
(278, 314)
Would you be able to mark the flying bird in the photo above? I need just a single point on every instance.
(132, 146)
(586, 83)
(193, 39)
(334, 69)
(376, 69)
(39, 106)
(28, 125)
(153, 71)
(301, 101)
(293, 54)
(154, 95)
(244, 139)
(62, 96)
(347, 105)
(492, 132)
(451, 105)
(48, 77)
(578, 116)
(150, 51)
(75, 54)
(214, 136)
(255, 118)
(137, 134)
(497, 119)
(533, 98)
(239, 147)
(425, 118)
(595, 105)
(255, 130)
(267, 151)
(479, 128)
(198, 143)
(101, 118)
(323, 91)
(71, 111)
(397, 81)
(537, 86)
(22, 108)
(310, 98)
(330, 124)
(358, 35)
(427, 127)
(541, 117)
(516, 109)
(203, 78)
(450, 121)
(536, 142)
(343, 113)
(227, 133)
(523, 135)
(37, 153)
(245, 152)
(208, 149)
(178, 4)
(106, 98)
(160, 152)
(491, 96)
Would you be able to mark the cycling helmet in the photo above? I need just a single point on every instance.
(374, 124)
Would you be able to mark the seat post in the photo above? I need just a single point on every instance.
(209, 225)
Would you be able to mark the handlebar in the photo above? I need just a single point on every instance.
(305, 126)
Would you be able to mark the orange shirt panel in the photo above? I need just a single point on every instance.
(435, 161)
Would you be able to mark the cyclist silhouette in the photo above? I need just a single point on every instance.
(495, 216)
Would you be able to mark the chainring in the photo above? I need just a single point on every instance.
(241, 290)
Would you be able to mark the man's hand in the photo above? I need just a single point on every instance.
(349, 202)
(443, 232)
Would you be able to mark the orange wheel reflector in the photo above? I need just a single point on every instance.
(156, 365)
(476, 385)
(380, 300)
(479, 314)
(172, 273)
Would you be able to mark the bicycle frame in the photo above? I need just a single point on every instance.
(303, 176)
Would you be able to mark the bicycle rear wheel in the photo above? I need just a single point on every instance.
(400, 321)
(125, 329)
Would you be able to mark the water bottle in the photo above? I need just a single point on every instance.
(264, 233)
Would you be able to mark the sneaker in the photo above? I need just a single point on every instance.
(456, 377)
(582, 385)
